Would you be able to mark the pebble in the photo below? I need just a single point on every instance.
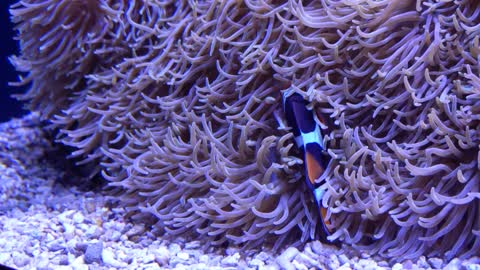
(56, 245)
(289, 254)
(65, 216)
(183, 256)
(256, 263)
(174, 248)
(286, 258)
(42, 261)
(93, 232)
(49, 238)
(20, 259)
(135, 230)
(263, 256)
(384, 264)
(305, 259)
(435, 263)
(60, 260)
(71, 247)
(333, 261)
(364, 255)
(203, 259)
(80, 267)
(93, 253)
(124, 257)
(408, 264)
(90, 206)
(150, 266)
(269, 267)
(71, 258)
(397, 266)
(422, 262)
(472, 266)
(454, 264)
(299, 266)
(78, 218)
(69, 228)
(62, 267)
(79, 264)
(343, 259)
(113, 236)
(473, 260)
(162, 255)
(108, 259)
(345, 266)
(317, 247)
(231, 260)
(149, 258)
(80, 246)
(32, 251)
(230, 250)
(367, 264)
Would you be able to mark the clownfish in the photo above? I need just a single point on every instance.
(308, 137)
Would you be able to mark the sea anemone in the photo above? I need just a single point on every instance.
(179, 104)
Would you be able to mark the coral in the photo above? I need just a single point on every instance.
(179, 104)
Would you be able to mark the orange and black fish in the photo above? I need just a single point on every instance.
(308, 137)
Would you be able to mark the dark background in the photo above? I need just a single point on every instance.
(9, 107)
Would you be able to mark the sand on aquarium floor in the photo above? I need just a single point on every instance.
(45, 224)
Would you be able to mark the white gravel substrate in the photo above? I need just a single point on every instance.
(45, 225)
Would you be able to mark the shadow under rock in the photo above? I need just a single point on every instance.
(85, 177)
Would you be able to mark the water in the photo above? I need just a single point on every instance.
(9, 107)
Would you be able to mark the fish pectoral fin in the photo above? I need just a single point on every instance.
(325, 222)
(314, 168)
